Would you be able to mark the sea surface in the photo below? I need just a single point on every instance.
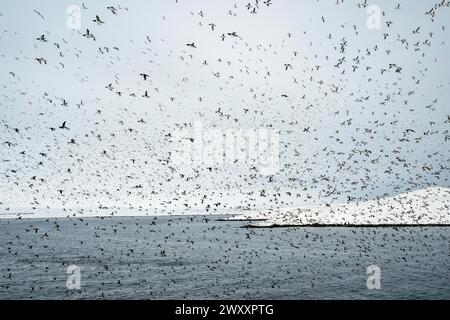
(198, 257)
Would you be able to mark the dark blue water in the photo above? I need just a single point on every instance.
(189, 257)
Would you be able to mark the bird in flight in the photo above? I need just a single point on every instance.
(234, 34)
(63, 126)
(88, 34)
(42, 38)
(41, 60)
(112, 9)
(98, 20)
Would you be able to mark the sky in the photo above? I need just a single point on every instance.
(358, 112)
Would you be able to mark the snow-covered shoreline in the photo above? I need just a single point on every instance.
(429, 206)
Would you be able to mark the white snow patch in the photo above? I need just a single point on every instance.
(420, 207)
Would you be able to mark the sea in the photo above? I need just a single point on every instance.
(203, 257)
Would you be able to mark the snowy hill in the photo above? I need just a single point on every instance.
(421, 207)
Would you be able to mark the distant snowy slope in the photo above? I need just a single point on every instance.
(420, 207)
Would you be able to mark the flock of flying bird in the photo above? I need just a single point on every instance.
(375, 126)
(351, 124)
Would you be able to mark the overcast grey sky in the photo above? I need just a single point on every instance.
(375, 124)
